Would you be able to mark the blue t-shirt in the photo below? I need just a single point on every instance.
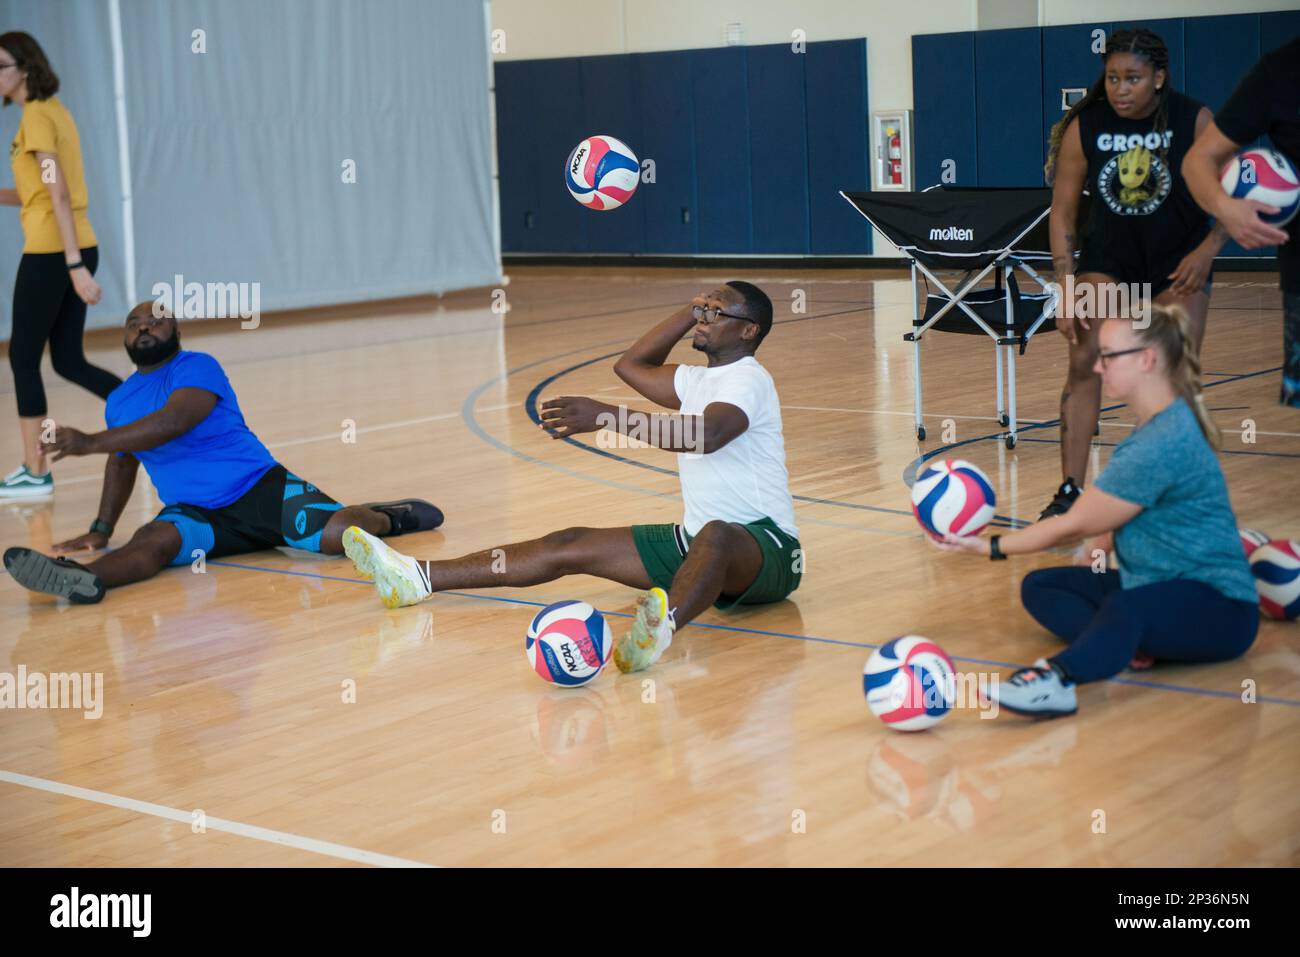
(1186, 529)
(213, 463)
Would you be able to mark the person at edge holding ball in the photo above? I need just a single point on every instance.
(1183, 591)
(1267, 101)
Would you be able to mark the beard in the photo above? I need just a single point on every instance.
(159, 350)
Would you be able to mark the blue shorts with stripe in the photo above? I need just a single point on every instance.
(281, 509)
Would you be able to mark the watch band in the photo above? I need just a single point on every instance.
(995, 551)
(77, 265)
(101, 527)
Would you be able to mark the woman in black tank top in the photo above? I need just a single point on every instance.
(1143, 237)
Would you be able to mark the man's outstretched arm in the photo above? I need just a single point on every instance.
(185, 409)
(721, 422)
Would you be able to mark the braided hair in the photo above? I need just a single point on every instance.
(1141, 42)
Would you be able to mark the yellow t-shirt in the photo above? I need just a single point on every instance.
(47, 127)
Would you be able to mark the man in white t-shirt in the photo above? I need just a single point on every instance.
(737, 543)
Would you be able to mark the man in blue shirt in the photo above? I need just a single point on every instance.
(223, 491)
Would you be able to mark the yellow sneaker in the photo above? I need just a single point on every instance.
(651, 633)
(399, 578)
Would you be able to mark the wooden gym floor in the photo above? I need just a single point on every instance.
(225, 739)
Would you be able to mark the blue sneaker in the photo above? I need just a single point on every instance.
(21, 483)
(1037, 691)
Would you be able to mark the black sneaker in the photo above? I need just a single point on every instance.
(1062, 500)
(54, 576)
(409, 515)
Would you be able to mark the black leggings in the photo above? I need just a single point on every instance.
(47, 308)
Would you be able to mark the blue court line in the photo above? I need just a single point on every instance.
(1186, 689)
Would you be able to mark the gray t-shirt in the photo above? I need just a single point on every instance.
(1186, 529)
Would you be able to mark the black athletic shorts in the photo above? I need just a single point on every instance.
(1134, 265)
(281, 509)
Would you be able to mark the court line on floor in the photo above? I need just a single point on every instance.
(238, 828)
(1187, 689)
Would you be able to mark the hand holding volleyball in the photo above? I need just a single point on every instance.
(1269, 189)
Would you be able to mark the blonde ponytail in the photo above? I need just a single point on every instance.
(1169, 333)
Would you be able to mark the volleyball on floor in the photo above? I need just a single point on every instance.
(953, 497)
(910, 683)
(1277, 578)
(1267, 177)
(602, 172)
(1251, 539)
(568, 643)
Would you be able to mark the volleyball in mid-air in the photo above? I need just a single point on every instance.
(602, 172)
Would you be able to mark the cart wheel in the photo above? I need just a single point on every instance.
(920, 433)
(1003, 420)
(1011, 441)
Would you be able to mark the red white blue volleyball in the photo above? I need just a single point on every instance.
(953, 497)
(1251, 539)
(910, 683)
(1267, 177)
(568, 643)
(1277, 578)
(602, 172)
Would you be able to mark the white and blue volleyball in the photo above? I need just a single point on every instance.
(1251, 539)
(568, 643)
(1265, 176)
(910, 683)
(953, 497)
(602, 172)
(1277, 578)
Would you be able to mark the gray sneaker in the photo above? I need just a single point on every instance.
(21, 483)
(1036, 691)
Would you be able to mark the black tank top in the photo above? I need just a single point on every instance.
(1140, 203)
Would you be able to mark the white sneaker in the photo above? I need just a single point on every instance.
(21, 483)
(1036, 691)
(400, 579)
(651, 634)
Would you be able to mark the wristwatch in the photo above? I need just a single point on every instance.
(995, 552)
(103, 528)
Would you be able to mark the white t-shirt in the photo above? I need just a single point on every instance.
(745, 480)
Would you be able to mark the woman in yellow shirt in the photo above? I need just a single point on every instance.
(56, 274)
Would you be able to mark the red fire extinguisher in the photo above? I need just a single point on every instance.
(895, 156)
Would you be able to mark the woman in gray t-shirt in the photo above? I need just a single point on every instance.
(1183, 591)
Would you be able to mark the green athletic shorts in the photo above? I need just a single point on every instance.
(663, 549)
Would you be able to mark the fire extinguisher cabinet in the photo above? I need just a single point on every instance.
(891, 144)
